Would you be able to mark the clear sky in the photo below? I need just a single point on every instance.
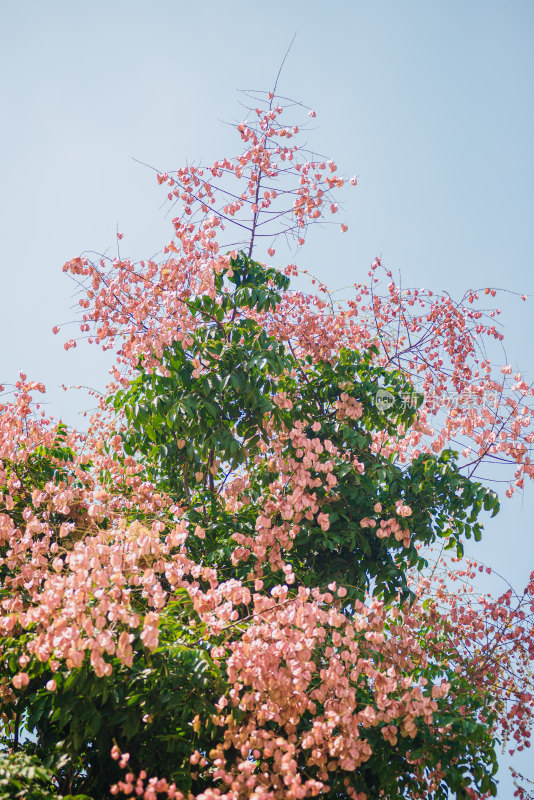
(429, 102)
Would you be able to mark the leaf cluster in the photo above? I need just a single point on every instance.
(207, 412)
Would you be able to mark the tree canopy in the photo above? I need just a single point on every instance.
(247, 578)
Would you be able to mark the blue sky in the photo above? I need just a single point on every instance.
(429, 103)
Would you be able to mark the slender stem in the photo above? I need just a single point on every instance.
(16, 731)
(260, 173)
(256, 213)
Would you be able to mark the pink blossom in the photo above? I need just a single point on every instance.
(323, 521)
(20, 680)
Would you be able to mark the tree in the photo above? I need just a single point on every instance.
(226, 581)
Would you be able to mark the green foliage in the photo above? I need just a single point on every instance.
(180, 421)
(209, 412)
(209, 405)
(146, 709)
(23, 777)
